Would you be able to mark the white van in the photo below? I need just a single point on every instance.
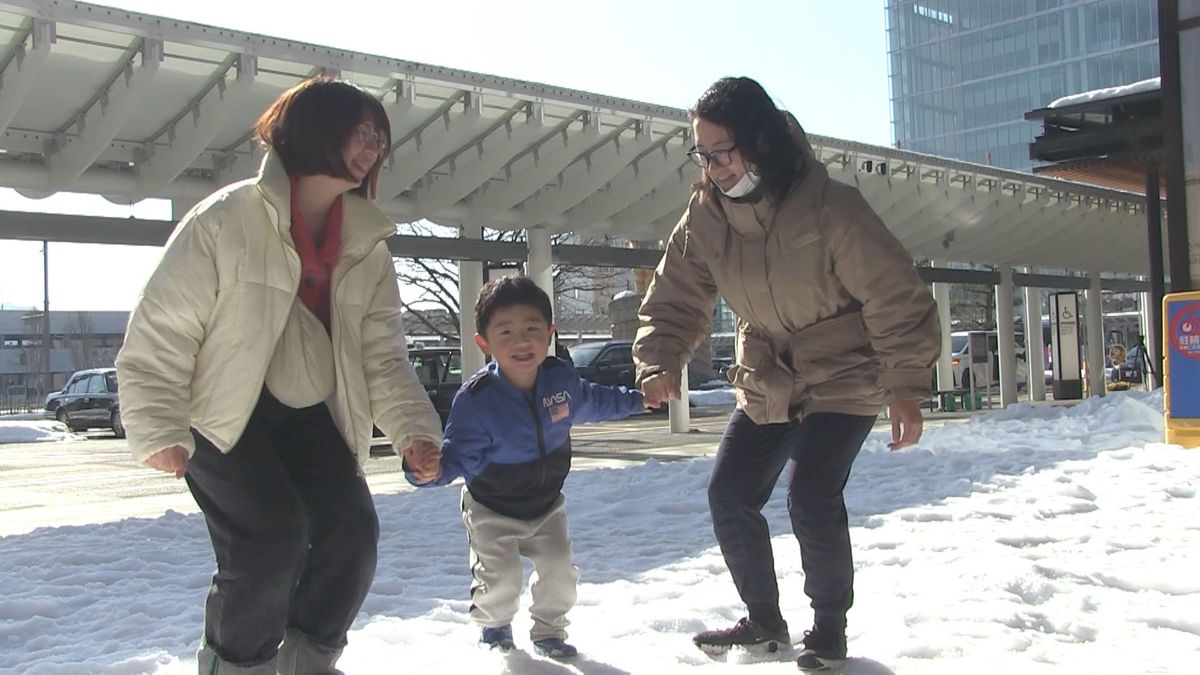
(959, 344)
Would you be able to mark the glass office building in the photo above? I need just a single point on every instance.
(963, 73)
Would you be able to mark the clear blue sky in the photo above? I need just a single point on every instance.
(824, 61)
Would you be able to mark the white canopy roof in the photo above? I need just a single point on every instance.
(131, 106)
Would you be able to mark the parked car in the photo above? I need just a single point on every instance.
(88, 401)
(440, 372)
(609, 362)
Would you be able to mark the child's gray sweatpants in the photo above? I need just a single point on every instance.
(497, 544)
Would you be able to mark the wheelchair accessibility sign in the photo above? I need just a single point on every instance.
(1181, 371)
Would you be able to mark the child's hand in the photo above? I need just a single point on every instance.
(424, 458)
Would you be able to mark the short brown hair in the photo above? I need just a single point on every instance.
(308, 127)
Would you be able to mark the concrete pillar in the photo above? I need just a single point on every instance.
(1094, 310)
(941, 295)
(540, 265)
(1006, 342)
(681, 416)
(470, 282)
(1035, 348)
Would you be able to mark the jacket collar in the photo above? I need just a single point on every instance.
(363, 224)
(494, 371)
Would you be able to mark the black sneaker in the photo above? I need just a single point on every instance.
(824, 649)
(499, 638)
(555, 648)
(744, 633)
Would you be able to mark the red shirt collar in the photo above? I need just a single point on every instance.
(321, 258)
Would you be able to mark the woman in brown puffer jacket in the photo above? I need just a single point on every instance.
(833, 323)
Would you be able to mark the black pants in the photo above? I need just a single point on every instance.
(294, 530)
(749, 460)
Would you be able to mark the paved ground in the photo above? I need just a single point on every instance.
(72, 483)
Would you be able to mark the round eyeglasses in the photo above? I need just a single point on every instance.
(719, 157)
(370, 138)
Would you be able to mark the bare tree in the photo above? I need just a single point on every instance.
(83, 351)
(430, 285)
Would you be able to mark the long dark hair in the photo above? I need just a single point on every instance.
(760, 131)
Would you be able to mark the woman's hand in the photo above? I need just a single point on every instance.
(660, 388)
(424, 459)
(171, 460)
(906, 423)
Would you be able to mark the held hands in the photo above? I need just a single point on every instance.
(906, 423)
(660, 388)
(171, 460)
(424, 458)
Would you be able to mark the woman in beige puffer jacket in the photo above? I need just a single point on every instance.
(264, 347)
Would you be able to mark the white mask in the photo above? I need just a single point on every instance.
(745, 185)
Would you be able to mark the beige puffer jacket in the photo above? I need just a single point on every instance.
(832, 315)
(203, 333)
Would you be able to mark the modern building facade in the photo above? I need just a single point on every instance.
(78, 341)
(963, 73)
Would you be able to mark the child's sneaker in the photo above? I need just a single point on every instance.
(745, 633)
(555, 648)
(499, 637)
(824, 649)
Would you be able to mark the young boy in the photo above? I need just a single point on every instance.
(508, 437)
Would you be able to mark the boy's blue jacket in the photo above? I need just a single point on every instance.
(513, 448)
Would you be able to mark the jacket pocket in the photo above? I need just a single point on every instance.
(829, 337)
(755, 359)
(835, 357)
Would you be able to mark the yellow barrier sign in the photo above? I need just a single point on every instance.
(1181, 368)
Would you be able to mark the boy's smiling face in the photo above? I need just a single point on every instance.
(518, 337)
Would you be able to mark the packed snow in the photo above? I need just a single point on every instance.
(1039, 539)
(32, 428)
(1106, 93)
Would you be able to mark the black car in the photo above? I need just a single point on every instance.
(440, 372)
(88, 401)
(609, 362)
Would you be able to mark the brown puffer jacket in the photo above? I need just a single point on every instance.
(832, 315)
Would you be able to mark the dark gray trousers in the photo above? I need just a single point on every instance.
(749, 461)
(294, 530)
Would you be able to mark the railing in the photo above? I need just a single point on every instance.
(14, 404)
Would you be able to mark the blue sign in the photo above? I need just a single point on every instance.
(1182, 340)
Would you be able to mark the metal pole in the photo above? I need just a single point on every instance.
(1157, 285)
(1172, 119)
(47, 376)
(1094, 352)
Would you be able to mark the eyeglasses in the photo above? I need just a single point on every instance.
(370, 138)
(718, 157)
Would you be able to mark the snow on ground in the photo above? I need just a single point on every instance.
(33, 428)
(1040, 539)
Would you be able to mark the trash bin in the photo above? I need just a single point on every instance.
(949, 401)
(972, 402)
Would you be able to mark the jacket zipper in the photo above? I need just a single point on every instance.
(537, 425)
